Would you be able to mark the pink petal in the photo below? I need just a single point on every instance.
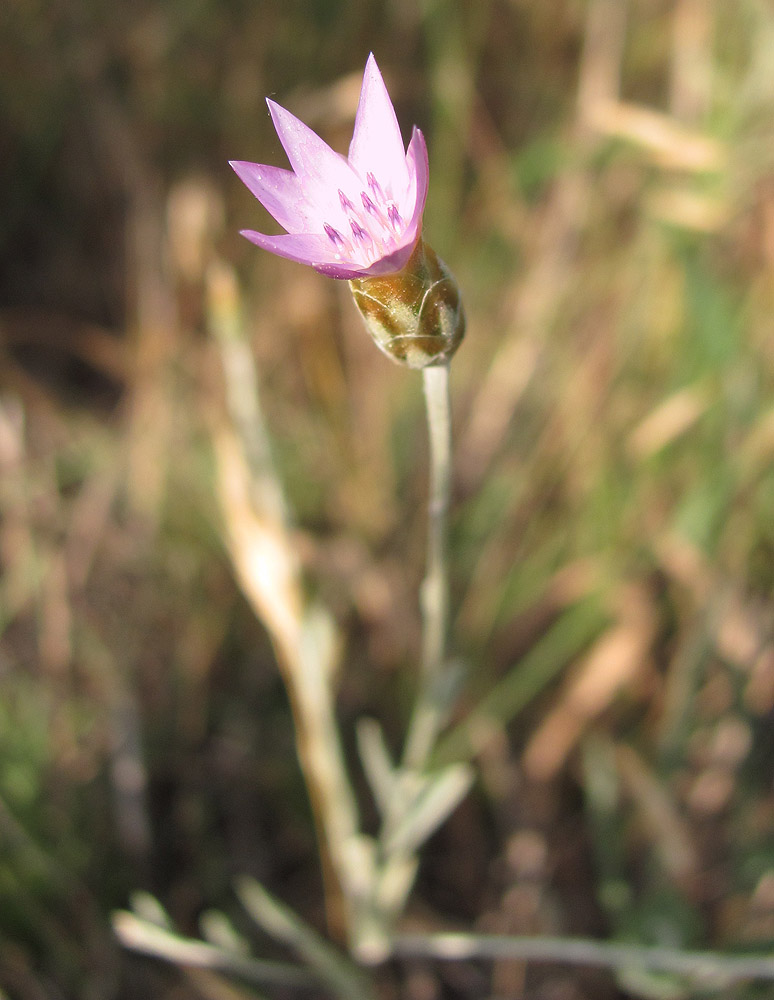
(377, 145)
(419, 170)
(322, 171)
(307, 248)
(281, 193)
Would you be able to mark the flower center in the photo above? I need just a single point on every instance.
(374, 226)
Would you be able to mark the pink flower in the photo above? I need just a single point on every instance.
(348, 218)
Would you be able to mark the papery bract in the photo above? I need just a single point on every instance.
(354, 217)
(414, 316)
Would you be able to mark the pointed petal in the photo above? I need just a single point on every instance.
(419, 170)
(322, 171)
(377, 145)
(305, 248)
(281, 193)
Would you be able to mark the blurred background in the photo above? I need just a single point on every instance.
(602, 185)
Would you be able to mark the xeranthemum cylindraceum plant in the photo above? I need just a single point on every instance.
(359, 218)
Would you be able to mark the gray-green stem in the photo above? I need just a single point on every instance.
(430, 705)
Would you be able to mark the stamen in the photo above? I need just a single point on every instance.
(373, 183)
(368, 205)
(394, 215)
(359, 233)
(333, 235)
(345, 203)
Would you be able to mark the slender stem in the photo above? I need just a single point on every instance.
(703, 965)
(429, 709)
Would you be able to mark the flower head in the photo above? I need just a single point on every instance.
(354, 217)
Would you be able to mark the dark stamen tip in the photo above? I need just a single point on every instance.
(373, 183)
(333, 234)
(394, 215)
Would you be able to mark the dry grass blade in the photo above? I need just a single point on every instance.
(612, 663)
